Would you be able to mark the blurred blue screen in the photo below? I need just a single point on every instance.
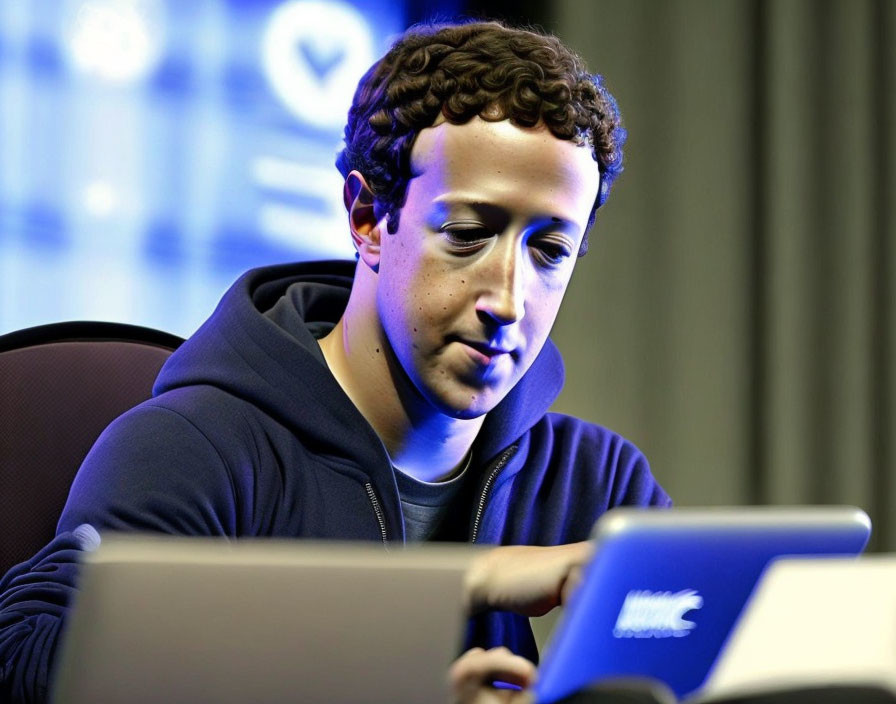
(152, 150)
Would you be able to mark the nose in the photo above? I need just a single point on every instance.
(503, 297)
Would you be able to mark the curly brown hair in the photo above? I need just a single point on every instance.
(464, 70)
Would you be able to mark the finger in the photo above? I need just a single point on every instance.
(575, 556)
(496, 663)
(573, 580)
(478, 667)
(580, 553)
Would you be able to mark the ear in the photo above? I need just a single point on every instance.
(366, 231)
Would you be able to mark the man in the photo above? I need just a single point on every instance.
(404, 397)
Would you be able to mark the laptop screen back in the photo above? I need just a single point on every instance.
(664, 588)
(206, 620)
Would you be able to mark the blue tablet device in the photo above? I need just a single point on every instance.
(665, 586)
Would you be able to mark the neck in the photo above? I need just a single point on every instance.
(424, 443)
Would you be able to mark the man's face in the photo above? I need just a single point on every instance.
(470, 284)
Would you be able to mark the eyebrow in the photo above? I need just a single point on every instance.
(490, 210)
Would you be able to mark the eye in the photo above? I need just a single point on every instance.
(550, 251)
(465, 237)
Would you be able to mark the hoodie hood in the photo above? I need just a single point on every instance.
(260, 345)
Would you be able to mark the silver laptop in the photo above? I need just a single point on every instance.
(161, 619)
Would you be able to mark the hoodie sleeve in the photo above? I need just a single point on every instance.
(130, 482)
(153, 470)
(33, 599)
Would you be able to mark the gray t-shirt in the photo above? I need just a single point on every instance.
(430, 508)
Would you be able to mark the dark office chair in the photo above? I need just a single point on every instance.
(60, 386)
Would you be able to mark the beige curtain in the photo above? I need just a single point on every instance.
(736, 315)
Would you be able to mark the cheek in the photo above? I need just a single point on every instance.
(541, 313)
(418, 303)
(432, 291)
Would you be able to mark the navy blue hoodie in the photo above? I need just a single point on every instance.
(248, 434)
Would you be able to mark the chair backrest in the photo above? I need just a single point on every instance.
(60, 386)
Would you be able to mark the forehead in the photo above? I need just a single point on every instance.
(498, 162)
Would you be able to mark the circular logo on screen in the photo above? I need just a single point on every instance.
(313, 54)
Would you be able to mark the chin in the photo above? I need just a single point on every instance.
(462, 405)
(466, 413)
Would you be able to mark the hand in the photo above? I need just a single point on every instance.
(472, 674)
(525, 579)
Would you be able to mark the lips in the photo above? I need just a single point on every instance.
(484, 352)
(488, 350)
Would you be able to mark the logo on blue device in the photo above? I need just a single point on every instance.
(647, 614)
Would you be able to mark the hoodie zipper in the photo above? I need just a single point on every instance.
(486, 488)
(375, 502)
